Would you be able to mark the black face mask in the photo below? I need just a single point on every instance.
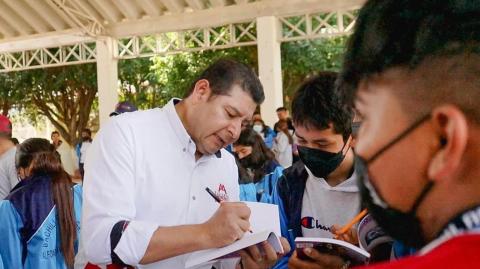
(320, 163)
(404, 227)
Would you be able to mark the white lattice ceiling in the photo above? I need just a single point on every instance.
(64, 20)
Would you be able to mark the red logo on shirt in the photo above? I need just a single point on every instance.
(222, 192)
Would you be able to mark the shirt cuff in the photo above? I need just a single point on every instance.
(134, 241)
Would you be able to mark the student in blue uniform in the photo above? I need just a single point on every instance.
(260, 164)
(39, 219)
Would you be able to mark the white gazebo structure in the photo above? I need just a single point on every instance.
(47, 33)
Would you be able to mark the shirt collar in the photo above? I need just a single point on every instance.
(465, 223)
(349, 185)
(178, 128)
(186, 142)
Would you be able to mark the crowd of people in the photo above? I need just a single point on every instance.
(394, 134)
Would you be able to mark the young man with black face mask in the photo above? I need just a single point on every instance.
(320, 190)
(412, 69)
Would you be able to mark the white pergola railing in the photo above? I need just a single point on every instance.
(48, 33)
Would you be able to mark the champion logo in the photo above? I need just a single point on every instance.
(222, 192)
(312, 223)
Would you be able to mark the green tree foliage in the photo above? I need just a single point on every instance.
(11, 94)
(64, 95)
(153, 82)
(301, 59)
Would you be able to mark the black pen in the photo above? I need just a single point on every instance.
(217, 198)
(213, 195)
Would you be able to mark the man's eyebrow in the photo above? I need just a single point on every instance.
(234, 109)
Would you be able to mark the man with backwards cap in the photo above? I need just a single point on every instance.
(8, 172)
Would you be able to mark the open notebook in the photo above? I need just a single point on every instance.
(347, 251)
(265, 225)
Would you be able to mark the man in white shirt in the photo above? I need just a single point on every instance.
(8, 173)
(145, 202)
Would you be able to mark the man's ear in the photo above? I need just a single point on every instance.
(451, 127)
(201, 91)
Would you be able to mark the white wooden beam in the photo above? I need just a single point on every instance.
(62, 14)
(54, 39)
(173, 6)
(128, 8)
(150, 7)
(6, 30)
(14, 20)
(107, 77)
(196, 4)
(29, 15)
(228, 14)
(88, 9)
(48, 15)
(218, 3)
(105, 8)
(270, 66)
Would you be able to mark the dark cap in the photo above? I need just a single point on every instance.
(123, 107)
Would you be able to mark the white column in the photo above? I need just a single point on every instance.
(270, 66)
(107, 78)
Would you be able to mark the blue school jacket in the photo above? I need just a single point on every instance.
(29, 230)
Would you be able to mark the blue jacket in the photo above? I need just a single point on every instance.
(28, 226)
(269, 136)
(262, 191)
(288, 195)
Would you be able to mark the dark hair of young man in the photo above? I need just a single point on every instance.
(440, 40)
(281, 109)
(225, 73)
(316, 105)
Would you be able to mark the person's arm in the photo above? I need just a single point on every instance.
(12, 173)
(227, 225)
(5, 185)
(109, 201)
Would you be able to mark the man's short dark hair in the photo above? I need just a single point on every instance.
(316, 104)
(225, 73)
(404, 33)
(282, 108)
(54, 132)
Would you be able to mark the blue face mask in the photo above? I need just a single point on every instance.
(321, 163)
(404, 227)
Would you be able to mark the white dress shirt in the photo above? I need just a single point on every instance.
(141, 167)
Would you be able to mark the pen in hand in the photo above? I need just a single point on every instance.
(217, 199)
(213, 195)
(348, 226)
